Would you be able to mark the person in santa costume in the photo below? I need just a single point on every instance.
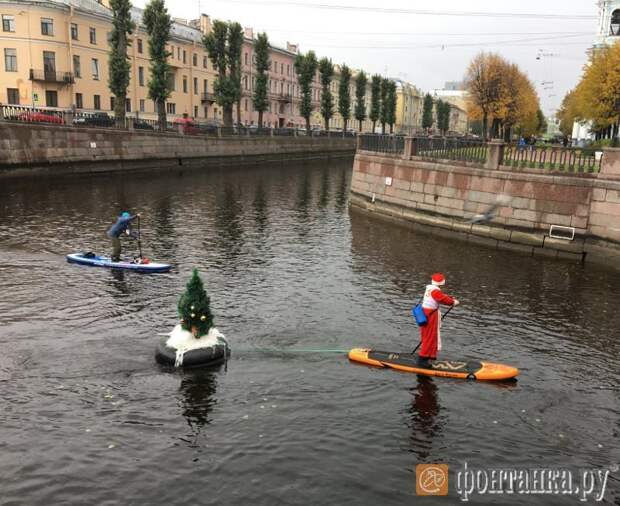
(430, 333)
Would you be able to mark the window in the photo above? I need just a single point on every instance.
(49, 62)
(93, 35)
(112, 103)
(245, 56)
(195, 86)
(94, 66)
(8, 23)
(140, 46)
(74, 31)
(204, 62)
(51, 98)
(195, 111)
(172, 84)
(10, 60)
(47, 26)
(141, 76)
(184, 56)
(127, 105)
(184, 84)
(141, 105)
(195, 60)
(97, 102)
(281, 68)
(12, 95)
(205, 85)
(246, 104)
(178, 53)
(79, 101)
(245, 82)
(288, 69)
(77, 67)
(171, 108)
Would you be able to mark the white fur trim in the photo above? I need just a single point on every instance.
(439, 283)
(183, 341)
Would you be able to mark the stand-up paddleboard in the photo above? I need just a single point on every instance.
(103, 261)
(407, 362)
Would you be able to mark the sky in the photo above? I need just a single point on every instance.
(425, 43)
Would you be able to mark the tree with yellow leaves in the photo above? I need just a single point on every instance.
(567, 114)
(596, 96)
(501, 95)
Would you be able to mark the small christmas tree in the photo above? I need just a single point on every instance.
(194, 307)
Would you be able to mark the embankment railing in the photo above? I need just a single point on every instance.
(393, 144)
(100, 119)
(552, 158)
(449, 148)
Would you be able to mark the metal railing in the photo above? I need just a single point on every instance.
(132, 121)
(393, 144)
(51, 76)
(551, 158)
(207, 97)
(447, 148)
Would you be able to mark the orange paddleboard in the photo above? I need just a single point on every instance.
(461, 369)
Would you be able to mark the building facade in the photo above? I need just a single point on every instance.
(55, 54)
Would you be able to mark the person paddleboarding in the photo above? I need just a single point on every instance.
(122, 225)
(430, 334)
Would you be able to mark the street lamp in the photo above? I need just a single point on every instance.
(615, 22)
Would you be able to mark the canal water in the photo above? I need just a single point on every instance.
(88, 417)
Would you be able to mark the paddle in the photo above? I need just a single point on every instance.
(140, 242)
(442, 317)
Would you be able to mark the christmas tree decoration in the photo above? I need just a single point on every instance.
(192, 303)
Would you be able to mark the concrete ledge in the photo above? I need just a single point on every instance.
(528, 243)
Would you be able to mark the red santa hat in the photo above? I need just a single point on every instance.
(438, 279)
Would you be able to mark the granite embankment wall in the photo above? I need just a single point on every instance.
(439, 196)
(27, 149)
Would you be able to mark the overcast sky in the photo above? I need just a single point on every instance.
(424, 49)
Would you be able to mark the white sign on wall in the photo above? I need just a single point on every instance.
(388, 181)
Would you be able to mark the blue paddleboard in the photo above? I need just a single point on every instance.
(102, 261)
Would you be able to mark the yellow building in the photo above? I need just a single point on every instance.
(54, 54)
(409, 105)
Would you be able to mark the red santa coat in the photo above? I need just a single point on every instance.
(430, 333)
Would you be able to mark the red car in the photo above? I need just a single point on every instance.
(186, 125)
(40, 117)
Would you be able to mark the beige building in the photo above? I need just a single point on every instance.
(457, 98)
(55, 54)
(409, 106)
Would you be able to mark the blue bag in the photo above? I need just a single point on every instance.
(419, 315)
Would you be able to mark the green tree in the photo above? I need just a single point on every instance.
(427, 112)
(360, 98)
(221, 54)
(195, 307)
(235, 45)
(326, 71)
(442, 114)
(385, 105)
(541, 122)
(344, 95)
(390, 116)
(261, 50)
(120, 68)
(158, 24)
(375, 100)
(305, 67)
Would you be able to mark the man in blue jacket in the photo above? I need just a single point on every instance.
(122, 225)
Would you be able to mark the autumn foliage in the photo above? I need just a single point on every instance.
(596, 97)
(501, 96)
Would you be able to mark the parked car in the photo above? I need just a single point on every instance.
(140, 124)
(186, 125)
(40, 117)
(99, 119)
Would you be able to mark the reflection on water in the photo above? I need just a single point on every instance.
(197, 400)
(88, 418)
(425, 424)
